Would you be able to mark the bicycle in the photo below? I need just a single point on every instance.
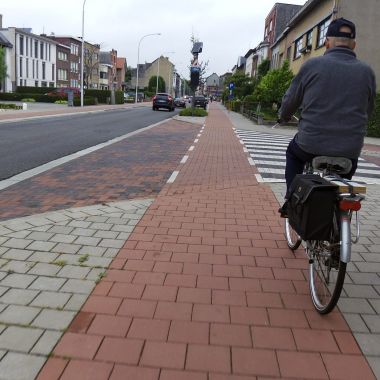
(328, 259)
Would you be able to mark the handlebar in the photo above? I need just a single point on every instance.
(280, 121)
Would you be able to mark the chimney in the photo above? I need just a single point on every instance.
(1, 21)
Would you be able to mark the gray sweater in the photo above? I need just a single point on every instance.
(336, 95)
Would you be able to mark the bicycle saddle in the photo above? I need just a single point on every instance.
(339, 165)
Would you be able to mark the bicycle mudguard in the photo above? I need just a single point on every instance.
(345, 237)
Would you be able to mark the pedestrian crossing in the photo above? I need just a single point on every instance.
(267, 152)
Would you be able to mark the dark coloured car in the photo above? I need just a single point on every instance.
(163, 100)
(180, 102)
(200, 101)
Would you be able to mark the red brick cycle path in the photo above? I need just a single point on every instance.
(205, 289)
(136, 167)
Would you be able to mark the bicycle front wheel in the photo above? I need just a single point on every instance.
(326, 270)
(292, 238)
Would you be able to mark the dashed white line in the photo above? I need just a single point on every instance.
(173, 176)
(184, 159)
(196, 140)
(191, 148)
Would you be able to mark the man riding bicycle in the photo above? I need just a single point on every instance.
(336, 94)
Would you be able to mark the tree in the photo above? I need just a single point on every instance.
(274, 84)
(128, 74)
(243, 84)
(152, 85)
(90, 64)
(3, 67)
(263, 69)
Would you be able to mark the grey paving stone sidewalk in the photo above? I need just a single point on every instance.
(49, 264)
(360, 299)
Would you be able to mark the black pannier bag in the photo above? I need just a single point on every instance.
(311, 206)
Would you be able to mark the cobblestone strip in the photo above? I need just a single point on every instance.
(49, 264)
(360, 299)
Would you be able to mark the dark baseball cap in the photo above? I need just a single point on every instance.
(335, 26)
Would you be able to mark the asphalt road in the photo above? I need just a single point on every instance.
(30, 143)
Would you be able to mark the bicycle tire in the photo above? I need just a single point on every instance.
(332, 281)
(292, 238)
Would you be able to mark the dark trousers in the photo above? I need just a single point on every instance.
(296, 158)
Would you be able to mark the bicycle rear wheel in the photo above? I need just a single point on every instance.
(292, 238)
(326, 270)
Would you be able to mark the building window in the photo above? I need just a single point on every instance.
(27, 45)
(51, 84)
(21, 47)
(21, 67)
(74, 49)
(322, 30)
(31, 47)
(62, 56)
(309, 39)
(36, 69)
(298, 48)
(74, 67)
(33, 68)
(52, 71)
(289, 53)
(49, 52)
(43, 70)
(27, 67)
(270, 25)
(43, 84)
(42, 51)
(62, 74)
(36, 83)
(36, 49)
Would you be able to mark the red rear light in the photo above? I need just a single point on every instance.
(348, 204)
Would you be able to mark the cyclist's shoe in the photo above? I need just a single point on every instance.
(283, 210)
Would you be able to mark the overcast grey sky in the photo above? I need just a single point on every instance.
(227, 28)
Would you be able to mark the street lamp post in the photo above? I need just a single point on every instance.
(82, 58)
(138, 60)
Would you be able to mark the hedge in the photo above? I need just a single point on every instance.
(119, 97)
(374, 123)
(233, 105)
(102, 95)
(37, 97)
(34, 90)
(87, 101)
(7, 106)
(193, 112)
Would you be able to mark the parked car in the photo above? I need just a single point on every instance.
(200, 101)
(63, 91)
(129, 97)
(163, 100)
(180, 102)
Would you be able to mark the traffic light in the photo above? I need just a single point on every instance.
(194, 76)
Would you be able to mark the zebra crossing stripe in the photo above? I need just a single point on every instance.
(267, 153)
